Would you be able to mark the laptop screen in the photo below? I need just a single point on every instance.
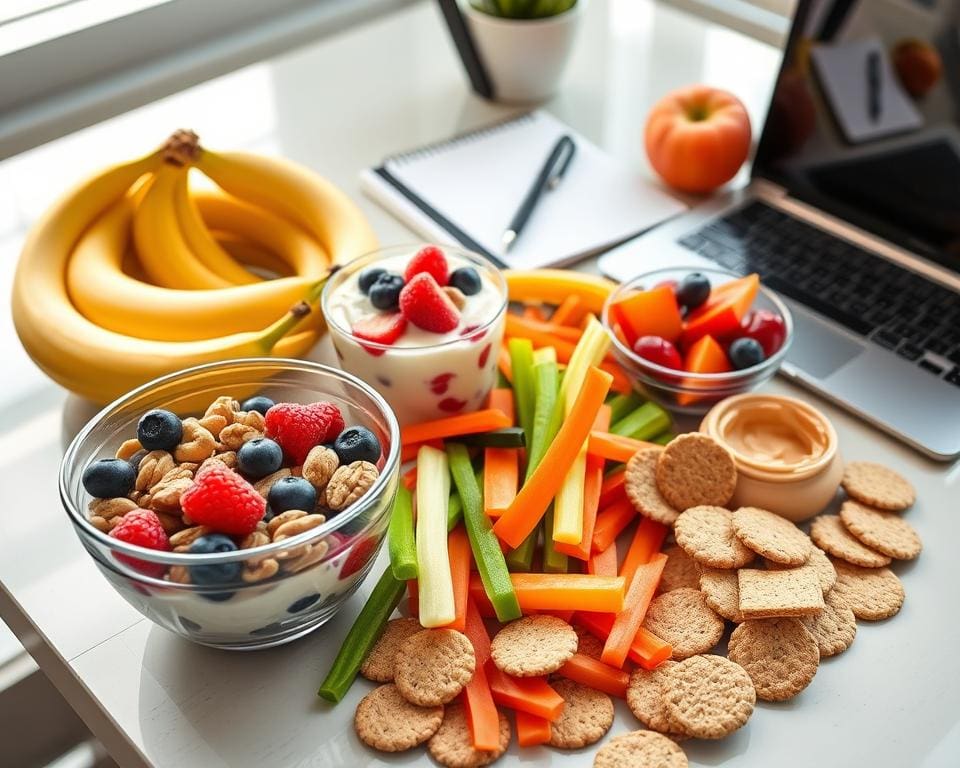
(865, 119)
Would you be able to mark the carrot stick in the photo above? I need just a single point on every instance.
(501, 467)
(530, 504)
(628, 621)
(532, 312)
(593, 673)
(465, 424)
(613, 488)
(522, 326)
(503, 363)
(413, 598)
(615, 447)
(409, 452)
(603, 563)
(646, 542)
(532, 730)
(647, 650)
(621, 382)
(570, 312)
(610, 522)
(458, 550)
(567, 616)
(482, 714)
(479, 597)
(568, 591)
(524, 694)
(409, 478)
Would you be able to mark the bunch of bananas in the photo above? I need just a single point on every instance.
(132, 274)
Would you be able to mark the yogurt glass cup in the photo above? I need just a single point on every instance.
(786, 452)
(423, 375)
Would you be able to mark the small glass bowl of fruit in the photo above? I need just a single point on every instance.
(689, 337)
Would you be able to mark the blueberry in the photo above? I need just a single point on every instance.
(109, 478)
(467, 279)
(745, 353)
(292, 493)
(385, 293)
(693, 290)
(135, 460)
(259, 457)
(218, 573)
(303, 603)
(159, 430)
(260, 404)
(368, 277)
(357, 444)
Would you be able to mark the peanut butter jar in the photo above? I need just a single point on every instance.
(787, 454)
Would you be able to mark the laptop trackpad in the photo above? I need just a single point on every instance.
(816, 349)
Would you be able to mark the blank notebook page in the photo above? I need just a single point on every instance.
(478, 181)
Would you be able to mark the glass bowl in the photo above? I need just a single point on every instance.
(693, 393)
(317, 570)
(427, 379)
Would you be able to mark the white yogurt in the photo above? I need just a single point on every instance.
(423, 375)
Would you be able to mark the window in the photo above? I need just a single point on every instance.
(766, 20)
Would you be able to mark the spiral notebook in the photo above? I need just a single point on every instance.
(464, 191)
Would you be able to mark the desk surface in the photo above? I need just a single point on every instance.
(892, 700)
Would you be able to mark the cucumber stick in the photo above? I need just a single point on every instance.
(437, 607)
(545, 426)
(521, 364)
(400, 541)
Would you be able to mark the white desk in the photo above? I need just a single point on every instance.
(892, 700)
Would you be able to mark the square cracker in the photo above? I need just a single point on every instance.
(770, 594)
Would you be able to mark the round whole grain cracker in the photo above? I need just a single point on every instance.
(695, 470)
(818, 562)
(641, 487)
(886, 532)
(452, 745)
(680, 570)
(386, 721)
(872, 594)
(780, 655)
(533, 646)
(645, 697)
(877, 485)
(721, 590)
(772, 536)
(378, 666)
(706, 534)
(586, 716)
(831, 535)
(708, 696)
(588, 644)
(834, 627)
(433, 666)
(640, 749)
(683, 619)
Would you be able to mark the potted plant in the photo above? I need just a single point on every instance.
(524, 44)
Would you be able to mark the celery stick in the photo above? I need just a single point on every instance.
(544, 425)
(621, 405)
(483, 541)
(520, 560)
(663, 439)
(645, 422)
(502, 381)
(521, 362)
(366, 630)
(433, 563)
(454, 511)
(553, 561)
(400, 541)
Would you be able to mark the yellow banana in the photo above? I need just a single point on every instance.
(252, 254)
(165, 255)
(278, 235)
(113, 300)
(199, 240)
(78, 354)
(294, 193)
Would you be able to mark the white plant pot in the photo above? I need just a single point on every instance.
(524, 57)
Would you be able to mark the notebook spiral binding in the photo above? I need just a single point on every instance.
(464, 138)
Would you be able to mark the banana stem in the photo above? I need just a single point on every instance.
(273, 333)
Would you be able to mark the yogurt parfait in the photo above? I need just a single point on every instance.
(421, 325)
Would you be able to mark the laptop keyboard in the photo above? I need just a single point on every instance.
(894, 308)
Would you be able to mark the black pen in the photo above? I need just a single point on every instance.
(549, 178)
(874, 106)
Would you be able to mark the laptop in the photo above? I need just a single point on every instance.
(853, 217)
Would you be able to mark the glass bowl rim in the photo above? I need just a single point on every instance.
(84, 527)
(728, 377)
(360, 261)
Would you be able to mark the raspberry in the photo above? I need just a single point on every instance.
(142, 527)
(298, 428)
(381, 329)
(426, 306)
(222, 500)
(431, 260)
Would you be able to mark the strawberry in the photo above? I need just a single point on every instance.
(431, 260)
(142, 527)
(222, 500)
(380, 329)
(360, 554)
(298, 428)
(425, 305)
